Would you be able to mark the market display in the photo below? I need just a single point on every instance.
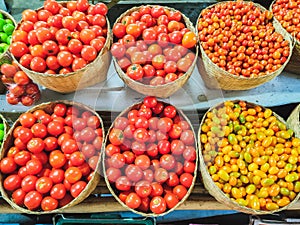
(150, 158)
(49, 158)
(20, 86)
(249, 157)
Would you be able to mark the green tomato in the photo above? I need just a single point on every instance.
(2, 23)
(9, 21)
(3, 37)
(8, 28)
(1, 126)
(8, 40)
(1, 16)
(1, 135)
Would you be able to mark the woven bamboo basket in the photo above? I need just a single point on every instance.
(91, 185)
(294, 121)
(91, 74)
(113, 189)
(294, 63)
(217, 78)
(165, 90)
(215, 191)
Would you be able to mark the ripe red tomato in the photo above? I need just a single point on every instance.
(116, 136)
(186, 179)
(58, 191)
(171, 200)
(8, 165)
(133, 201)
(35, 145)
(173, 179)
(55, 128)
(161, 175)
(77, 188)
(167, 161)
(180, 191)
(33, 200)
(134, 173)
(73, 174)
(158, 205)
(57, 175)
(142, 161)
(57, 159)
(34, 166)
(18, 196)
(49, 203)
(143, 188)
(12, 182)
(44, 185)
(123, 183)
(135, 71)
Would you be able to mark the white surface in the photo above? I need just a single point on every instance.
(114, 95)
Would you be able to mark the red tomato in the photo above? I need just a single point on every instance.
(35, 145)
(135, 72)
(12, 182)
(58, 191)
(186, 179)
(113, 174)
(145, 204)
(73, 174)
(173, 179)
(33, 200)
(167, 161)
(158, 205)
(50, 143)
(77, 188)
(22, 157)
(143, 188)
(8, 165)
(57, 159)
(148, 175)
(134, 173)
(161, 175)
(141, 135)
(44, 185)
(180, 191)
(55, 128)
(34, 166)
(48, 203)
(123, 183)
(142, 161)
(187, 137)
(57, 175)
(171, 200)
(189, 153)
(133, 201)
(116, 136)
(119, 30)
(158, 61)
(18, 197)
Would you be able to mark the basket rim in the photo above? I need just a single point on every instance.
(105, 47)
(186, 21)
(189, 190)
(240, 77)
(90, 186)
(220, 194)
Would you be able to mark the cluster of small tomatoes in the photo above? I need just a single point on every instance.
(20, 86)
(240, 38)
(59, 39)
(150, 157)
(153, 45)
(288, 14)
(53, 156)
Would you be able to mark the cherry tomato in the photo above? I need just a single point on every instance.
(44, 185)
(34, 166)
(180, 191)
(57, 159)
(143, 188)
(158, 205)
(77, 188)
(171, 200)
(49, 203)
(18, 196)
(133, 200)
(134, 173)
(73, 174)
(123, 183)
(12, 182)
(33, 200)
(8, 165)
(135, 71)
(116, 136)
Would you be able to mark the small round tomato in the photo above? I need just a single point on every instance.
(134, 173)
(173, 179)
(43, 185)
(143, 188)
(187, 137)
(58, 191)
(133, 201)
(186, 179)
(33, 200)
(171, 200)
(170, 111)
(8, 165)
(158, 61)
(64, 58)
(180, 191)
(57, 159)
(175, 131)
(35, 145)
(189, 153)
(73, 174)
(123, 183)
(22, 157)
(12, 182)
(116, 136)
(167, 161)
(49, 203)
(18, 49)
(113, 174)
(189, 39)
(18, 196)
(135, 71)
(161, 175)
(77, 188)
(119, 30)
(141, 135)
(57, 175)
(158, 205)
(142, 161)
(177, 147)
(34, 166)
(55, 128)
(164, 124)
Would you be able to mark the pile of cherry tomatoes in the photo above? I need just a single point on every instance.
(20, 86)
(241, 39)
(60, 38)
(52, 156)
(288, 14)
(153, 45)
(150, 157)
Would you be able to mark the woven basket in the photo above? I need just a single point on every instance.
(113, 190)
(217, 78)
(215, 191)
(294, 121)
(91, 185)
(91, 74)
(165, 90)
(294, 63)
